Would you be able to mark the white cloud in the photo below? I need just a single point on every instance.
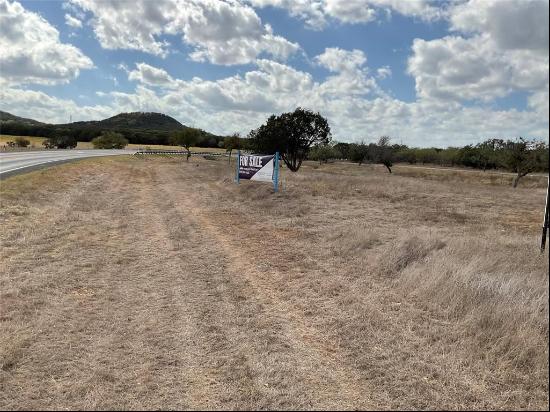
(504, 49)
(475, 62)
(383, 72)
(338, 60)
(240, 103)
(150, 75)
(349, 99)
(427, 10)
(351, 11)
(511, 24)
(72, 21)
(43, 107)
(221, 32)
(31, 52)
(316, 13)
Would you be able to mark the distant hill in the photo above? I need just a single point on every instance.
(8, 117)
(137, 127)
(135, 121)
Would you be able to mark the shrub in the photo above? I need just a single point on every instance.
(110, 140)
(22, 142)
(60, 142)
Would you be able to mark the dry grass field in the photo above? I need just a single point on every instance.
(155, 283)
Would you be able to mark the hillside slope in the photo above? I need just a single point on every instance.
(137, 127)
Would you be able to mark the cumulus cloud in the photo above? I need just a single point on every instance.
(475, 61)
(31, 52)
(349, 99)
(242, 102)
(500, 47)
(338, 60)
(511, 24)
(221, 32)
(43, 107)
(352, 11)
(383, 72)
(72, 21)
(152, 76)
(317, 13)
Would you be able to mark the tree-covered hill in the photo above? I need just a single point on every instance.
(135, 120)
(138, 127)
(8, 117)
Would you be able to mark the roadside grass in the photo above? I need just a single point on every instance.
(349, 289)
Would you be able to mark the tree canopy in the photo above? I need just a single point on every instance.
(292, 135)
(187, 138)
(110, 140)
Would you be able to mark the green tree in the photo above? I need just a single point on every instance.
(110, 140)
(60, 142)
(525, 156)
(343, 149)
(383, 152)
(187, 138)
(406, 154)
(292, 135)
(358, 152)
(323, 153)
(232, 142)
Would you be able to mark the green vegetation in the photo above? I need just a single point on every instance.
(292, 135)
(137, 128)
(324, 153)
(232, 142)
(187, 138)
(60, 142)
(21, 141)
(519, 156)
(110, 140)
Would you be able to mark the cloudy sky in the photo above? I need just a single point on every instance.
(426, 73)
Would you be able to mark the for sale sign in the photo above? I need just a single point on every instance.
(256, 167)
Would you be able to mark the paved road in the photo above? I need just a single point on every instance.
(18, 162)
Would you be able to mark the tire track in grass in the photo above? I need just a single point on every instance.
(325, 378)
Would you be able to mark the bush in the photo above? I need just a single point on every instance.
(22, 142)
(110, 140)
(60, 142)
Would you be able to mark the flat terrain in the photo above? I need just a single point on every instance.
(36, 143)
(154, 283)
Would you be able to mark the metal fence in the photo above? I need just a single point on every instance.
(177, 152)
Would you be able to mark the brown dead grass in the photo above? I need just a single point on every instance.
(156, 283)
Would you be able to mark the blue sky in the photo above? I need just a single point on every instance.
(426, 73)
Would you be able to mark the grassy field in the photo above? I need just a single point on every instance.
(155, 283)
(36, 143)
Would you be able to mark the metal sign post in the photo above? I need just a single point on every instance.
(545, 224)
(276, 173)
(238, 165)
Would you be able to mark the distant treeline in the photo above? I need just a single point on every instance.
(88, 133)
(491, 154)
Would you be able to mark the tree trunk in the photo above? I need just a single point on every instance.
(188, 154)
(518, 176)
